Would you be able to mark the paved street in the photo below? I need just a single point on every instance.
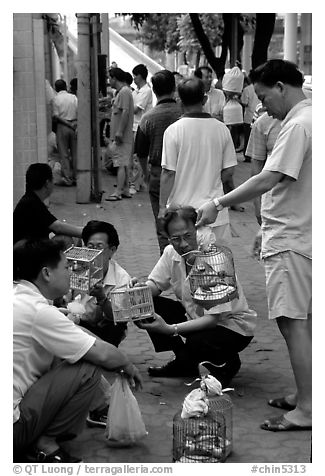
(265, 371)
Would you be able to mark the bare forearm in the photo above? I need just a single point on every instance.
(167, 180)
(60, 228)
(124, 121)
(106, 356)
(195, 325)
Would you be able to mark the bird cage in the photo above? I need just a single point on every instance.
(212, 277)
(222, 405)
(199, 439)
(86, 267)
(132, 304)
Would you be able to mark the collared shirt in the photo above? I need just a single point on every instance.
(115, 277)
(122, 102)
(170, 272)
(143, 100)
(264, 133)
(65, 106)
(286, 211)
(149, 138)
(197, 148)
(215, 103)
(31, 218)
(40, 333)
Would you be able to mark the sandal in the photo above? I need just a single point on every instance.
(113, 198)
(281, 403)
(58, 456)
(282, 424)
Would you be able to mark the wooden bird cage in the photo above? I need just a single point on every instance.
(132, 304)
(86, 267)
(212, 277)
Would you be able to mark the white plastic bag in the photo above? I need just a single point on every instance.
(125, 426)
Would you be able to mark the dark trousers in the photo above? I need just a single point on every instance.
(57, 404)
(66, 139)
(217, 345)
(109, 332)
(247, 133)
(154, 191)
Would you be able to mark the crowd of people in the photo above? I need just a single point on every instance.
(183, 149)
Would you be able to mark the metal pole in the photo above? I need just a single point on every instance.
(84, 110)
(95, 30)
(234, 40)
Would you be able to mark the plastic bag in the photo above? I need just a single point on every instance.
(124, 423)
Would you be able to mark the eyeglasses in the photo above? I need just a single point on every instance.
(97, 246)
(176, 240)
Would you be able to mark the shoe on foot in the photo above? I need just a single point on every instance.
(280, 423)
(281, 403)
(97, 418)
(57, 456)
(132, 190)
(173, 369)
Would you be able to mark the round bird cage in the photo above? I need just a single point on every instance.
(212, 277)
(199, 439)
(222, 405)
(132, 304)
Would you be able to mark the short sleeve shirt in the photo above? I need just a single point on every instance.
(287, 213)
(40, 333)
(198, 147)
(215, 103)
(264, 133)
(143, 100)
(122, 102)
(31, 218)
(170, 272)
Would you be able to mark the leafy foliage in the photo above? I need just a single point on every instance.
(212, 25)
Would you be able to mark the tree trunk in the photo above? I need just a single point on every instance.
(197, 60)
(214, 62)
(263, 33)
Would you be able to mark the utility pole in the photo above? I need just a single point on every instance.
(234, 40)
(84, 110)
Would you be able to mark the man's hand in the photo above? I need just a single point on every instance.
(118, 138)
(133, 376)
(206, 214)
(98, 292)
(158, 325)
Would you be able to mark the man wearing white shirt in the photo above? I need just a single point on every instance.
(65, 110)
(142, 98)
(216, 98)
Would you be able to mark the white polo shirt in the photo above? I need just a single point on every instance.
(170, 272)
(286, 211)
(40, 333)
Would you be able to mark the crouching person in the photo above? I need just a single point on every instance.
(52, 397)
(193, 333)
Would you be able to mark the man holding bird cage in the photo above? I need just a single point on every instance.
(193, 332)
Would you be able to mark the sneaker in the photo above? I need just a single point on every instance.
(97, 418)
(58, 456)
(173, 368)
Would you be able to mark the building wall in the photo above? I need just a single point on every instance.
(29, 105)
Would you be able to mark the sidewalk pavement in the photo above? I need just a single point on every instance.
(265, 371)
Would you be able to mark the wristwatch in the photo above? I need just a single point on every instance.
(218, 205)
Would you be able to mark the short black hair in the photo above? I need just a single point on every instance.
(191, 91)
(97, 226)
(276, 70)
(198, 71)
(128, 78)
(188, 214)
(37, 175)
(60, 85)
(30, 256)
(140, 69)
(163, 82)
(117, 73)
